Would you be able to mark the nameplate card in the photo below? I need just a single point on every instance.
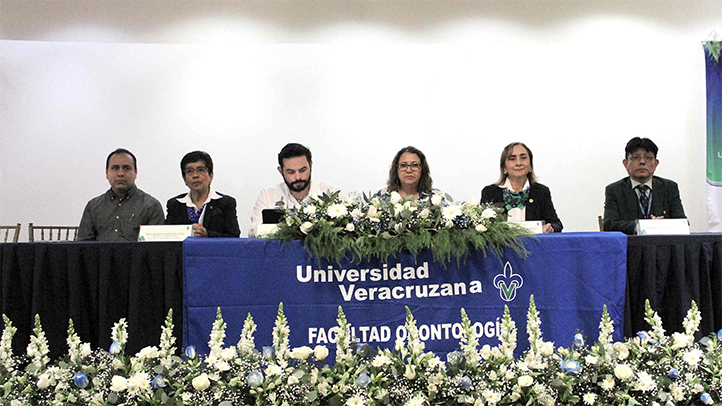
(534, 227)
(165, 233)
(266, 230)
(662, 226)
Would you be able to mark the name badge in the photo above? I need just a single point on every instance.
(534, 227)
(165, 233)
(266, 230)
(662, 226)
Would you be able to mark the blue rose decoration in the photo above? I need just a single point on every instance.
(643, 335)
(191, 352)
(268, 352)
(158, 382)
(115, 348)
(673, 373)
(465, 382)
(81, 380)
(570, 366)
(254, 379)
(719, 334)
(362, 350)
(706, 398)
(454, 358)
(363, 380)
(578, 340)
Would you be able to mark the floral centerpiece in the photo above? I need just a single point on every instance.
(377, 227)
(649, 369)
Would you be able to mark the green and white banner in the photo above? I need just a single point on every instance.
(714, 142)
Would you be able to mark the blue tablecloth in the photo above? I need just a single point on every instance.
(571, 276)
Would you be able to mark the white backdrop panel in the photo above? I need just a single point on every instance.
(65, 106)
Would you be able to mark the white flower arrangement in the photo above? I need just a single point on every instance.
(651, 372)
(379, 226)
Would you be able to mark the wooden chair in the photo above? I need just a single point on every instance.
(5, 232)
(600, 220)
(60, 233)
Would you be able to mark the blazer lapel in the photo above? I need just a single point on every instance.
(630, 197)
(658, 198)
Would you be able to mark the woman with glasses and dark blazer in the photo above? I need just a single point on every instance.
(212, 214)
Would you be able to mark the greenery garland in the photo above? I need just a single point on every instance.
(714, 48)
(378, 227)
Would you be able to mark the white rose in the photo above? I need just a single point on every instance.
(622, 350)
(357, 213)
(525, 380)
(349, 227)
(485, 351)
(372, 212)
(425, 213)
(85, 350)
(473, 201)
(118, 383)
(398, 227)
(292, 380)
(306, 227)
(398, 209)
(591, 359)
(480, 228)
(623, 372)
(320, 352)
(289, 221)
(547, 348)
(395, 197)
(681, 340)
(410, 372)
(488, 213)
(310, 210)
(301, 353)
(201, 382)
(43, 381)
(147, 353)
(228, 353)
(436, 199)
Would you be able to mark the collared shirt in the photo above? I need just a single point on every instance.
(212, 195)
(516, 215)
(269, 196)
(635, 184)
(108, 218)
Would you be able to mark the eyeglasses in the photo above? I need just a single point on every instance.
(647, 158)
(415, 166)
(201, 170)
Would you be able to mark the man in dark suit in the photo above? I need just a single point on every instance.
(641, 195)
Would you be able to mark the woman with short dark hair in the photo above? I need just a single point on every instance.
(212, 214)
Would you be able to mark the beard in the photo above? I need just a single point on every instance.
(299, 185)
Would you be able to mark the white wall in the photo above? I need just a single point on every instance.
(355, 81)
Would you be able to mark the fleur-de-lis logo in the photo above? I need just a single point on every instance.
(507, 283)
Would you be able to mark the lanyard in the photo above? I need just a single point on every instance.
(646, 213)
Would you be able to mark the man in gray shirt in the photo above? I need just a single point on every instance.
(117, 214)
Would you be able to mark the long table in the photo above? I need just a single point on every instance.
(96, 284)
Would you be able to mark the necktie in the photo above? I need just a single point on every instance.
(644, 200)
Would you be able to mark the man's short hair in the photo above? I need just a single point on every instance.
(196, 156)
(121, 151)
(293, 150)
(637, 143)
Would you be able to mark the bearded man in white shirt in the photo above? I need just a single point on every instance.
(294, 164)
